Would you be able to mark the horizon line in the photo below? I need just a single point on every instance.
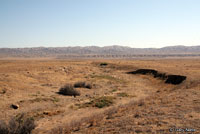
(101, 46)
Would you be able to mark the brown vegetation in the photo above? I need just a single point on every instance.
(20, 124)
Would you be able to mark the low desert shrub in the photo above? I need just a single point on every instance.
(79, 84)
(69, 90)
(20, 124)
(82, 84)
(88, 85)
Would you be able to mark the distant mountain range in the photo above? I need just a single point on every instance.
(90, 51)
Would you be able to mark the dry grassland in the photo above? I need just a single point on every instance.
(117, 102)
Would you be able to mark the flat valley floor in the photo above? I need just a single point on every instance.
(141, 103)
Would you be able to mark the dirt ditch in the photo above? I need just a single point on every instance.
(170, 79)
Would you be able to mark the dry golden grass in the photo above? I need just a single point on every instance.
(142, 104)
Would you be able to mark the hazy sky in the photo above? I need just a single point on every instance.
(135, 23)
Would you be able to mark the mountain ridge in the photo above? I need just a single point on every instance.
(95, 50)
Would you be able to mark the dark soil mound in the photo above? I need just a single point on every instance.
(162, 76)
(171, 79)
(144, 71)
(175, 79)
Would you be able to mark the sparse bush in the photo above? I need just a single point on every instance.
(68, 89)
(20, 124)
(82, 84)
(88, 85)
(79, 84)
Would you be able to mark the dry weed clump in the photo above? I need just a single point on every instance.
(20, 124)
(82, 84)
(69, 90)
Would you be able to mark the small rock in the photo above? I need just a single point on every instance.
(3, 91)
(136, 115)
(14, 106)
(46, 112)
(87, 95)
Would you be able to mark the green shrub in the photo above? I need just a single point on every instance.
(103, 101)
(99, 102)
